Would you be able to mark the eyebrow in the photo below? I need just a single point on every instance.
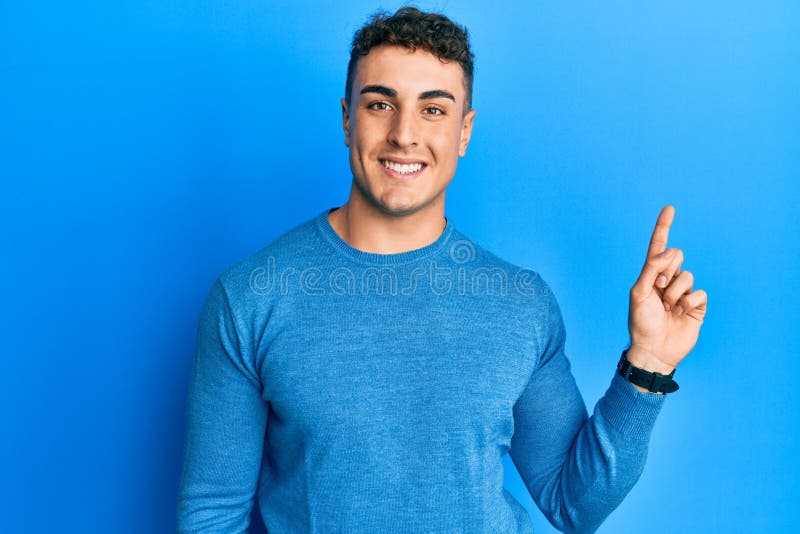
(425, 95)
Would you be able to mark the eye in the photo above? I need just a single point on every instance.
(434, 110)
(372, 106)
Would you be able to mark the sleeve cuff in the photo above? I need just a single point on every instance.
(631, 412)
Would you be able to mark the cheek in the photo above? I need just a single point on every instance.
(368, 138)
(446, 146)
(365, 126)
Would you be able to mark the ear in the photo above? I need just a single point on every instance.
(345, 122)
(466, 132)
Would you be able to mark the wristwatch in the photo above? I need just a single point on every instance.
(653, 382)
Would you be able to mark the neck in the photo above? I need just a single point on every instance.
(371, 230)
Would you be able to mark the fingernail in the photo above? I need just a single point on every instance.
(667, 306)
(679, 309)
(662, 281)
(668, 251)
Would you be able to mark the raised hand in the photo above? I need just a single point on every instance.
(664, 315)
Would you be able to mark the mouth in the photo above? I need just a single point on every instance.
(403, 171)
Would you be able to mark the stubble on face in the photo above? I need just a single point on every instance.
(389, 119)
(394, 202)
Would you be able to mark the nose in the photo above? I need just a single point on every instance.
(403, 131)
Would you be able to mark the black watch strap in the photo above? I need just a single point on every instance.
(653, 382)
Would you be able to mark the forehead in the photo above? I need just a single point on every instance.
(407, 72)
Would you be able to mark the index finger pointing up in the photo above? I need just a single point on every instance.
(658, 242)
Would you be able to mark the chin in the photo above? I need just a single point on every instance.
(398, 210)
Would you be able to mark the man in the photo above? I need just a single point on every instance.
(368, 369)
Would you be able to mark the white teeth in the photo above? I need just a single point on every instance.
(402, 169)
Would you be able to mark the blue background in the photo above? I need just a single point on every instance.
(145, 146)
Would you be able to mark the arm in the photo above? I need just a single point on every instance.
(226, 420)
(578, 469)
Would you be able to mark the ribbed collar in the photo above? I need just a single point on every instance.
(360, 256)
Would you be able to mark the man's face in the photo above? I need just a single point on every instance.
(406, 109)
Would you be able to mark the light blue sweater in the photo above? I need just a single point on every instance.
(348, 391)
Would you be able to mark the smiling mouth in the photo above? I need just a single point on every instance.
(402, 170)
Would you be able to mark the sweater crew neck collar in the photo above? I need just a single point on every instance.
(360, 256)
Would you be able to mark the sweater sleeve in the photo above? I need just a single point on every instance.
(578, 469)
(226, 420)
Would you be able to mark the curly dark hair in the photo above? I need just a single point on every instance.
(412, 28)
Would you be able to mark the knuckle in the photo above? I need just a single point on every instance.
(635, 292)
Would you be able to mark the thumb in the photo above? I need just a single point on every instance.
(654, 266)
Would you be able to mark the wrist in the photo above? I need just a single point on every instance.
(644, 359)
(646, 373)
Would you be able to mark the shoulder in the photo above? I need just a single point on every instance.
(525, 285)
(252, 288)
(291, 251)
(528, 307)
